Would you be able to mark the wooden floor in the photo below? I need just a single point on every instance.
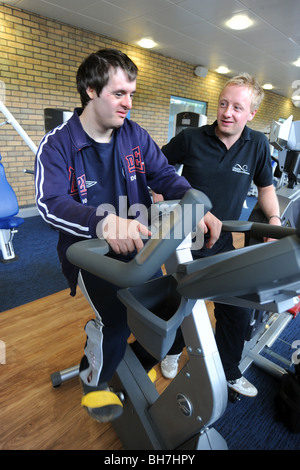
(40, 338)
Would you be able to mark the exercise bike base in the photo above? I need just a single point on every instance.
(209, 439)
(140, 395)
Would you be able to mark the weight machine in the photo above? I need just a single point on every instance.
(267, 327)
(9, 223)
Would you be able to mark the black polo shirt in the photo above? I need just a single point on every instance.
(223, 175)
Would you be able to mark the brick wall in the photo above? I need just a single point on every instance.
(39, 59)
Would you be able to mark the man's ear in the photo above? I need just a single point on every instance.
(91, 92)
(251, 115)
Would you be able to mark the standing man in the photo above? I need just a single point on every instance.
(99, 157)
(222, 160)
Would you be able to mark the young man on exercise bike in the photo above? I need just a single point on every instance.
(98, 160)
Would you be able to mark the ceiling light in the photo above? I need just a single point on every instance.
(222, 69)
(239, 22)
(147, 43)
(268, 86)
(297, 62)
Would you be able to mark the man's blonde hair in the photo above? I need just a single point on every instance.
(247, 80)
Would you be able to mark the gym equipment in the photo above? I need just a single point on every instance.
(266, 327)
(9, 223)
(266, 323)
(11, 120)
(55, 117)
(258, 276)
(285, 138)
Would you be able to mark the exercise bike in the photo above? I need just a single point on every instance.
(260, 276)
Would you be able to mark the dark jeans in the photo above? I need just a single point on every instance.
(115, 331)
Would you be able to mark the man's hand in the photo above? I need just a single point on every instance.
(273, 221)
(213, 225)
(123, 235)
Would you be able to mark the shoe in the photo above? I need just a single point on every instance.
(101, 404)
(243, 386)
(169, 366)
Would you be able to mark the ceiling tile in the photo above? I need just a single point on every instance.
(106, 12)
(209, 9)
(140, 7)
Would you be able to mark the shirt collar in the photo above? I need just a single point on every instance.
(246, 134)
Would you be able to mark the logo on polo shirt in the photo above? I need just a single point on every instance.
(241, 169)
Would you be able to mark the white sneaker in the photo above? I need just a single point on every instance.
(243, 386)
(169, 366)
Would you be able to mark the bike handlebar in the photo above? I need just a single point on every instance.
(173, 229)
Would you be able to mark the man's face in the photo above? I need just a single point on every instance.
(115, 101)
(234, 110)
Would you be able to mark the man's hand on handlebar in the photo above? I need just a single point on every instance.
(273, 221)
(123, 235)
(213, 225)
(208, 223)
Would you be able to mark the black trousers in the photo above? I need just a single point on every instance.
(114, 332)
(231, 322)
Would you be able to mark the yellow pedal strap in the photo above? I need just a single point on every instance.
(152, 375)
(100, 398)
